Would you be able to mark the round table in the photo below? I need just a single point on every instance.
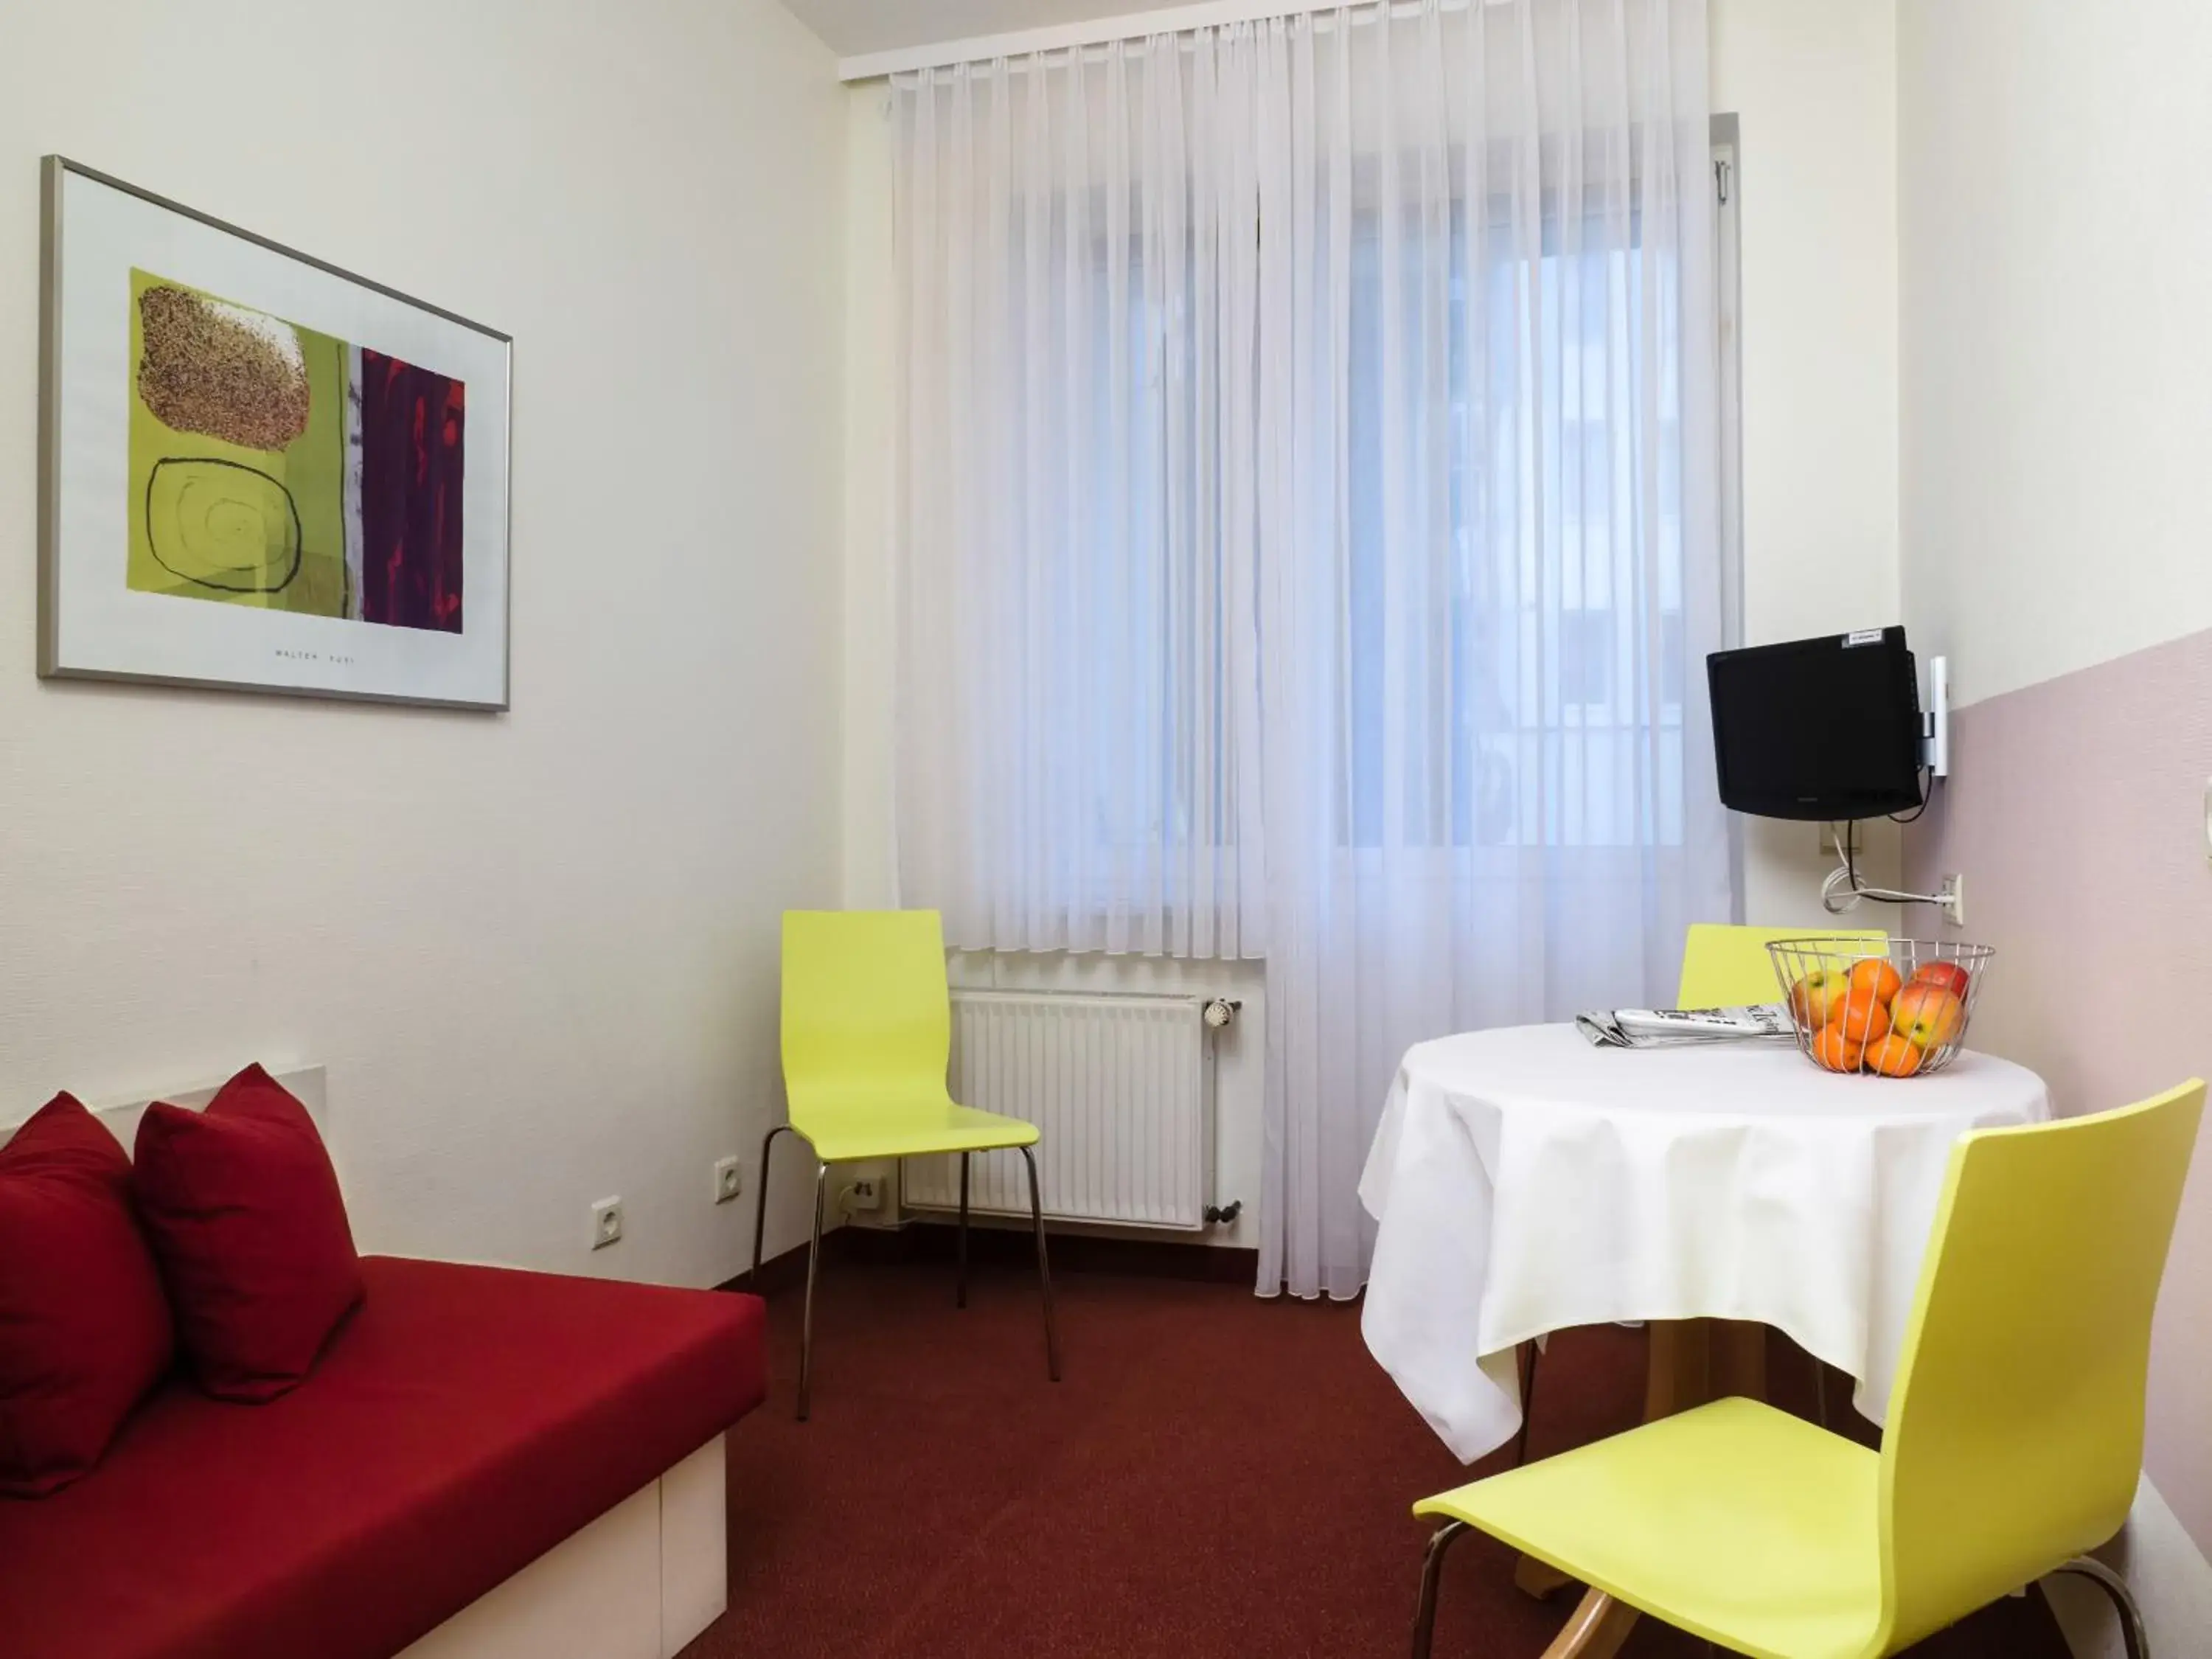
(1524, 1181)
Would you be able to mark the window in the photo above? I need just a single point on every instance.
(1207, 435)
(1562, 673)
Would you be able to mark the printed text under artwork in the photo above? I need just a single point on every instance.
(277, 468)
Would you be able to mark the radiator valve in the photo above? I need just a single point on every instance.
(1220, 1012)
(1225, 1213)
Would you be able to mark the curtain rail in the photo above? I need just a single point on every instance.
(1100, 36)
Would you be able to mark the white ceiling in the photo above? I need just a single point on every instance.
(854, 27)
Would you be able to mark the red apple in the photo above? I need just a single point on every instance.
(1927, 1015)
(1948, 974)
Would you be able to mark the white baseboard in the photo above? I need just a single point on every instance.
(2171, 1578)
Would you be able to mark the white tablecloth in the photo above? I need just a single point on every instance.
(1525, 1180)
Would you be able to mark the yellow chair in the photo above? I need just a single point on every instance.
(867, 1033)
(1728, 967)
(2013, 1443)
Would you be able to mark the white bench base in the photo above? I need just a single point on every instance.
(637, 1583)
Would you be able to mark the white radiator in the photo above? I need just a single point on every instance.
(1121, 1087)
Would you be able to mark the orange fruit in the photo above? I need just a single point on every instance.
(1861, 1016)
(1895, 1056)
(1835, 1050)
(1875, 977)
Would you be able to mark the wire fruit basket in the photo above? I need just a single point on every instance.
(1898, 1009)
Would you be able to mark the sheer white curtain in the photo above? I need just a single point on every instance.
(1309, 528)
(1076, 539)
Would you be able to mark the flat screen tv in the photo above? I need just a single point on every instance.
(1825, 729)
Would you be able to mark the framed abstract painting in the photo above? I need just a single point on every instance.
(258, 471)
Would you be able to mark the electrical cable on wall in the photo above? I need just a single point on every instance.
(1927, 794)
(1841, 890)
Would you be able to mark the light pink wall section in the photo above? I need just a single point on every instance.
(2076, 811)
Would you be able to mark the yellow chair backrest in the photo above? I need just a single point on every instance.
(1728, 967)
(2015, 1433)
(867, 1019)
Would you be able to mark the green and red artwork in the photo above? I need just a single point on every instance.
(276, 467)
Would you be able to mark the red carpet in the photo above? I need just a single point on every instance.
(1217, 1476)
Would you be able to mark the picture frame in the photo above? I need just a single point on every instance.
(260, 471)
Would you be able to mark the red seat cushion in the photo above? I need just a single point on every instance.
(243, 1211)
(462, 1423)
(84, 1332)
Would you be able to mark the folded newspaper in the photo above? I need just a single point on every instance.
(1656, 1028)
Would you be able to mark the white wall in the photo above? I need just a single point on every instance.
(2056, 422)
(1814, 83)
(536, 952)
(871, 868)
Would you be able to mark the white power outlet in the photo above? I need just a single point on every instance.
(864, 1195)
(606, 1223)
(1952, 900)
(729, 1179)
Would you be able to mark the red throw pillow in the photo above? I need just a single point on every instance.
(83, 1330)
(243, 1211)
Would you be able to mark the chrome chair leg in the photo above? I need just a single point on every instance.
(1044, 1268)
(760, 1205)
(813, 1268)
(960, 1291)
(1425, 1610)
(2132, 1635)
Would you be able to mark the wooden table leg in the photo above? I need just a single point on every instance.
(1600, 1625)
(1537, 1578)
(1681, 1373)
(1739, 1360)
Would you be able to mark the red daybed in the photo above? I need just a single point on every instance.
(460, 1425)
